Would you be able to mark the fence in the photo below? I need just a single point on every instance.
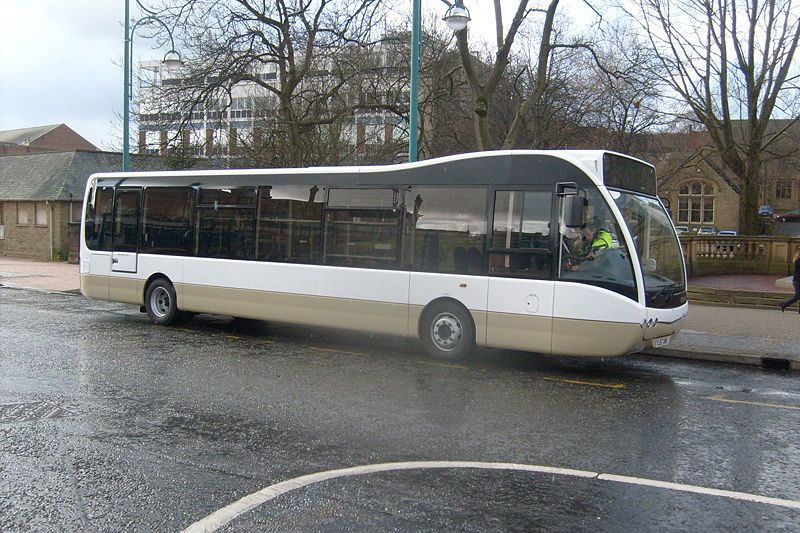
(707, 255)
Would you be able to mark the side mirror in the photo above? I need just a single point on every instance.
(574, 206)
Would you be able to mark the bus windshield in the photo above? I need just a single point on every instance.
(657, 247)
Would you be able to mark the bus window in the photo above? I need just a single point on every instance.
(445, 230)
(596, 253)
(126, 220)
(226, 223)
(368, 198)
(363, 236)
(521, 235)
(168, 222)
(98, 220)
(290, 224)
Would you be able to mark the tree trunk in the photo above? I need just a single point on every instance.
(748, 200)
(292, 137)
(480, 117)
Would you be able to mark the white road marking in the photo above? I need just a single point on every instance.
(223, 516)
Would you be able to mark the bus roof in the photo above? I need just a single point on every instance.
(491, 167)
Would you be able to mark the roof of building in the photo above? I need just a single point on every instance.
(26, 135)
(60, 175)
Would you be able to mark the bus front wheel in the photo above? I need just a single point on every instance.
(448, 332)
(160, 302)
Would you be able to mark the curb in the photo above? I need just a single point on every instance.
(68, 292)
(764, 361)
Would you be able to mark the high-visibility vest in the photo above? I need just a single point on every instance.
(602, 240)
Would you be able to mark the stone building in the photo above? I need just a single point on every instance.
(702, 193)
(41, 197)
(696, 194)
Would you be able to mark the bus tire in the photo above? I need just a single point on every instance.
(447, 331)
(160, 302)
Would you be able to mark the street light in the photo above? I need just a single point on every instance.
(457, 18)
(172, 59)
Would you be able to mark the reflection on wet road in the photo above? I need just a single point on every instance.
(109, 423)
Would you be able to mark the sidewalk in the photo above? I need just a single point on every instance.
(754, 336)
(761, 337)
(23, 273)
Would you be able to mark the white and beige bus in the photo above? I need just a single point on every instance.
(486, 249)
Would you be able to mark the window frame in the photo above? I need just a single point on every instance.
(145, 221)
(202, 209)
(262, 222)
(784, 189)
(696, 202)
(36, 211)
(27, 212)
(408, 263)
(397, 210)
(549, 250)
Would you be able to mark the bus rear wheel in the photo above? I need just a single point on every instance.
(448, 332)
(161, 303)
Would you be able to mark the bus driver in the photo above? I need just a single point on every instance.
(595, 238)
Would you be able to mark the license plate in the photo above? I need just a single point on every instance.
(661, 341)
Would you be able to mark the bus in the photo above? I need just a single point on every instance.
(483, 249)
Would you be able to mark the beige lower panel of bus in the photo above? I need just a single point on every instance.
(94, 286)
(361, 315)
(125, 290)
(593, 338)
(519, 332)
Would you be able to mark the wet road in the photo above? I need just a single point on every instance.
(108, 423)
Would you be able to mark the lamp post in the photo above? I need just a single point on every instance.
(171, 59)
(457, 18)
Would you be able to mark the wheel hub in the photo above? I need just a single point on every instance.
(160, 302)
(446, 332)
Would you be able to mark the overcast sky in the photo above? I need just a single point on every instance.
(61, 63)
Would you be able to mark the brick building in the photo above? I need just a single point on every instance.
(52, 138)
(41, 197)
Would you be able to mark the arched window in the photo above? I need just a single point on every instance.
(696, 203)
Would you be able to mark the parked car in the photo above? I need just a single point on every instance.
(707, 230)
(727, 232)
(681, 229)
(791, 216)
(765, 211)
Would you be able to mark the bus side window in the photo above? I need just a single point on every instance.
(226, 221)
(521, 235)
(168, 222)
(445, 230)
(361, 228)
(289, 224)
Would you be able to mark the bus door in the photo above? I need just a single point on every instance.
(521, 286)
(125, 232)
(96, 264)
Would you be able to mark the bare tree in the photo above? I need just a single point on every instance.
(484, 78)
(731, 62)
(292, 50)
(626, 101)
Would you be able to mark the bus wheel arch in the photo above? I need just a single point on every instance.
(160, 300)
(447, 329)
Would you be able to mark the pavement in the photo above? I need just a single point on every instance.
(730, 334)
